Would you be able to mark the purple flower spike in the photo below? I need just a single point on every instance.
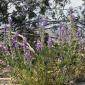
(25, 44)
(50, 42)
(14, 40)
(61, 31)
(39, 46)
(78, 33)
(73, 17)
(27, 53)
(3, 47)
(44, 23)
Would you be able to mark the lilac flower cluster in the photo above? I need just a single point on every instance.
(50, 42)
(39, 45)
(81, 44)
(72, 17)
(43, 22)
(3, 47)
(14, 40)
(27, 53)
(61, 31)
(64, 33)
(78, 34)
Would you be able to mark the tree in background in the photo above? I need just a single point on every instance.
(3, 11)
(24, 19)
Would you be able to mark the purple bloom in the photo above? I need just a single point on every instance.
(61, 31)
(39, 46)
(43, 22)
(78, 34)
(64, 32)
(14, 40)
(27, 53)
(3, 47)
(50, 42)
(81, 44)
(73, 17)
(24, 44)
(62, 27)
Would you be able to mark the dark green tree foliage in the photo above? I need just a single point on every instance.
(24, 12)
(46, 2)
(43, 9)
(31, 14)
(3, 10)
(18, 17)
